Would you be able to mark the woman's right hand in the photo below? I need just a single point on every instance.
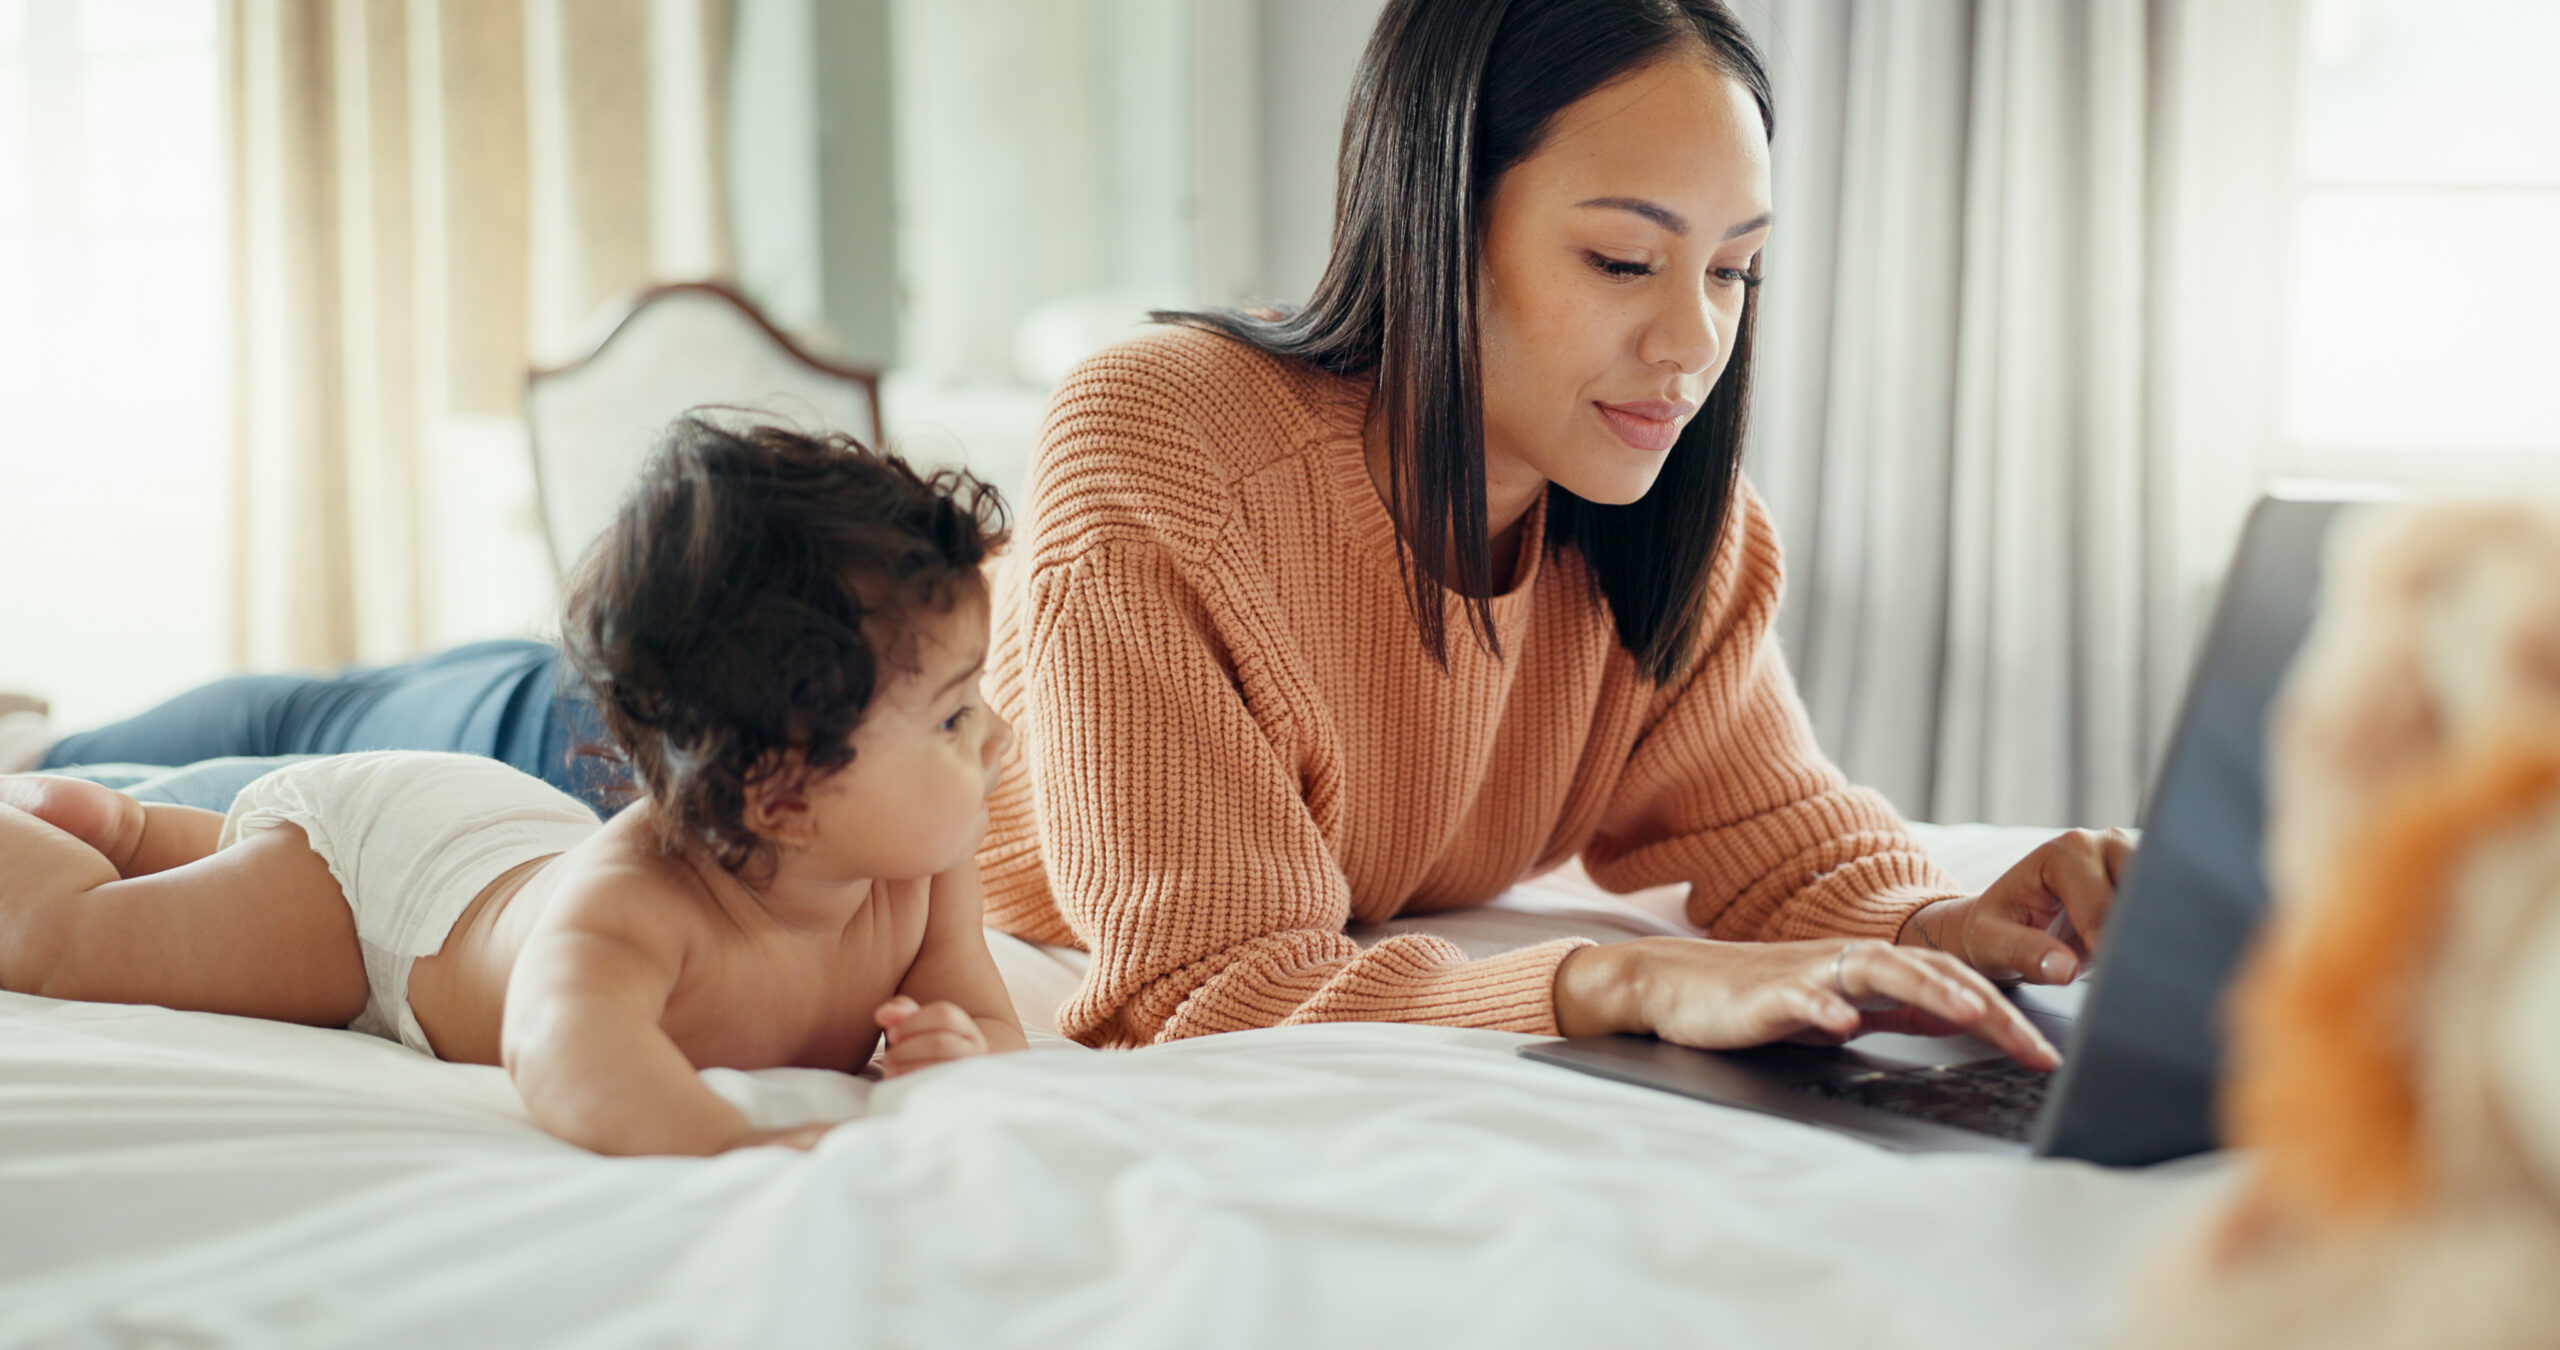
(1727, 995)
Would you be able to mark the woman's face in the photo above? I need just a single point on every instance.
(1611, 285)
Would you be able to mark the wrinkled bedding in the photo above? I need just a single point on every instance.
(184, 1178)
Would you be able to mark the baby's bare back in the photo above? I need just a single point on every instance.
(756, 986)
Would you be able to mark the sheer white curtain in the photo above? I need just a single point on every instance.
(1980, 415)
(428, 195)
(111, 352)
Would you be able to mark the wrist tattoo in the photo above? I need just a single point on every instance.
(1928, 921)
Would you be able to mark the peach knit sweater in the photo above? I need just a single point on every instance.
(1232, 743)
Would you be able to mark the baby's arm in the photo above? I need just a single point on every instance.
(953, 1002)
(583, 1043)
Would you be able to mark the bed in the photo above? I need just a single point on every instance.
(179, 1178)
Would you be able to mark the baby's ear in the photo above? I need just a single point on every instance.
(777, 807)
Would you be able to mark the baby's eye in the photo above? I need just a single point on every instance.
(1620, 267)
(952, 723)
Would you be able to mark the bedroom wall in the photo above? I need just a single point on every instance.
(1309, 51)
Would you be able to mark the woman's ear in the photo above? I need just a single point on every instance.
(778, 809)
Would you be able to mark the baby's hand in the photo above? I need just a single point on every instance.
(926, 1035)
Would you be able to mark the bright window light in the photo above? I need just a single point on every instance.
(2425, 276)
(115, 469)
(120, 26)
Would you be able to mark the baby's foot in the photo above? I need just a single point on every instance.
(25, 733)
(96, 815)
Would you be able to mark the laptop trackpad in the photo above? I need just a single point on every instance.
(2052, 1010)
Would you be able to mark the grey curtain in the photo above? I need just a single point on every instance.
(1962, 418)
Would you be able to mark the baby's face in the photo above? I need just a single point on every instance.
(914, 800)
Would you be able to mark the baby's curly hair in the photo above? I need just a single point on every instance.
(734, 622)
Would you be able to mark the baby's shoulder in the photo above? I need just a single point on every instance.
(613, 885)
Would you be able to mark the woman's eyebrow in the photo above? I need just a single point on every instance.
(1660, 215)
(1666, 217)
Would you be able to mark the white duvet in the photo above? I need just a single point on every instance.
(174, 1178)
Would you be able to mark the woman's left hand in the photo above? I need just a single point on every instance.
(2005, 932)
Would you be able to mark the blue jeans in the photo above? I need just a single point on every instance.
(507, 700)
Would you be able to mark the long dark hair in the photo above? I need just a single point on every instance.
(1450, 95)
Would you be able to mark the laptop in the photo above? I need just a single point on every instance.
(2142, 1034)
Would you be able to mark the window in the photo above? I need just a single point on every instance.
(114, 459)
(2422, 343)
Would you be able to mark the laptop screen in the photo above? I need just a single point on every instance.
(2138, 1085)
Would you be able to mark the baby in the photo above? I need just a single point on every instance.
(784, 635)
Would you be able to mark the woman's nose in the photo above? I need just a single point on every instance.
(1685, 335)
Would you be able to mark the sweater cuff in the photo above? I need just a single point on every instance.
(1413, 979)
(1883, 916)
(1869, 898)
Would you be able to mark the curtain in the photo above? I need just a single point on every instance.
(1969, 412)
(427, 196)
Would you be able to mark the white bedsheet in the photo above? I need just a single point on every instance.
(182, 1178)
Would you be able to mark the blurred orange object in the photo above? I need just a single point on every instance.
(2395, 1066)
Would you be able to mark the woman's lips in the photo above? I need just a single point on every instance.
(1652, 425)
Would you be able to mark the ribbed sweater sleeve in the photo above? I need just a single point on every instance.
(1727, 791)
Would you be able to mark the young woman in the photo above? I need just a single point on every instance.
(1380, 606)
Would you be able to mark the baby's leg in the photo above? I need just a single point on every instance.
(257, 930)
(137, 838)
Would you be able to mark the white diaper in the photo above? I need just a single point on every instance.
(412, 837)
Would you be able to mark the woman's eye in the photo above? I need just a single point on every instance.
(1620, 267)
(1734, 276)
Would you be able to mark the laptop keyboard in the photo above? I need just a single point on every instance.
(1997, 1097)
